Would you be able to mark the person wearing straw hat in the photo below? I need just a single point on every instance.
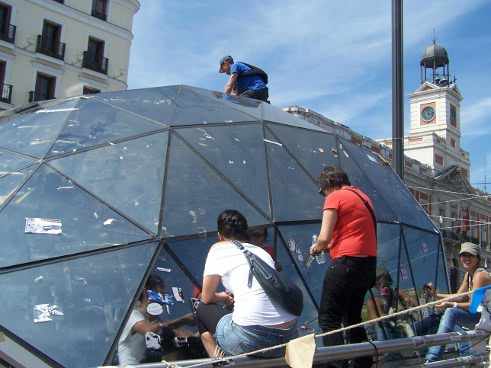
(457, 313)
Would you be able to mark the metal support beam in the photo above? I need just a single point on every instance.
(397, 89)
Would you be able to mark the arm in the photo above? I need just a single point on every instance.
(329, 219)
(464, 286)
(231, 85)
(209, 294)
(142, 327)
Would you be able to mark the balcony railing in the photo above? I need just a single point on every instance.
(6, 95)
(99, 14)
(56, 50)
(8, 34)
(90, 62)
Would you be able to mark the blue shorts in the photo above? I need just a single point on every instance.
(234, 339)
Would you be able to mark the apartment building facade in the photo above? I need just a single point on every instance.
(62, 48)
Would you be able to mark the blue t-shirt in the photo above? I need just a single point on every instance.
(249, 82)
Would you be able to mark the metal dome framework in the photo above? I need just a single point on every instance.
(137, 179)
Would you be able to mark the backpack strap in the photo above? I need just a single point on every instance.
(255, 71)
(367, 205)
(248, 256)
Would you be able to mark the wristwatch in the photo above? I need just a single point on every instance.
(455, 304)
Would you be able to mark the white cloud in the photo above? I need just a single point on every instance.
(476, 117)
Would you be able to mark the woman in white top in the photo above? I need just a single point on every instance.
(256, 321)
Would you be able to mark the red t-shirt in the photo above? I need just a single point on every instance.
(354, 232)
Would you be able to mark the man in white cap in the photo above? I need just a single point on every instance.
(457, 313)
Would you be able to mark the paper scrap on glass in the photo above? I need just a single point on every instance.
(300, 352)
(45, 312)
(36, 225)
(178, 294)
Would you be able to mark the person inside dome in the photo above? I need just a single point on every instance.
(256, 321)
(457, 313)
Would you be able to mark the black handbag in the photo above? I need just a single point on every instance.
(280, 290)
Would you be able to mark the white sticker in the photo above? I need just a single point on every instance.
(371, 158)
(45, 312)
(178, 294)
(37, 225)
(162, 269)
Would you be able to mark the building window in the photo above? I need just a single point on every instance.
(452, 142)
(438, 159)
(49, 42)
(94, 56)
(453, 115)
(90, 91)
(60, 1)
(45, 88)
(5, 89)
(99, 9)
(7, 31)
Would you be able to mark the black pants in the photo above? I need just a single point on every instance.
(346, 283)
(260, 94)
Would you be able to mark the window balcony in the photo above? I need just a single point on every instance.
(6, 95)
(8, 34)
(34, 96)
(55, 50)
(91, 62)
(99, 14)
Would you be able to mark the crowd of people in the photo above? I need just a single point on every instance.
(237, 312)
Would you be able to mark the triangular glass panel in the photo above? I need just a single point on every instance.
(380, 173)
(423, 248)
(442, 283)
(295, 195)
(97, 123)
(298, 240)
(50, 217)
(245, 105)
(275, 114)
(152, 103)
(314, 150)
(307, 322)
(237, 151)
(72, 310)
(128, 176)
(195, 194)
(33, 133)
(11, 182)
(11, 162)
(358, 178)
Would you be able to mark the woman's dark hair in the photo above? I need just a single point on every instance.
(258, 233)
(332, 178)
(232, 225)
(154, 282)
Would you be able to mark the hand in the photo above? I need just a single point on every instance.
(225, 297)
(445, 305)
(314, 249)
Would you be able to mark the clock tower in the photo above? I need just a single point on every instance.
(434, 137)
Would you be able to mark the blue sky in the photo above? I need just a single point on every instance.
(331, 56)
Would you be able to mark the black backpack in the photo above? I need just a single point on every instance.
(281, 291)
(255, 71)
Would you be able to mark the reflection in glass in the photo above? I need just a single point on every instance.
(128, 176)
(314, 150)
(298, 240)
(99, 123)
(86, 223)
(295, 195)
(11, 182)
(395, 193)
(34, 133)
(238, 153)
(72, 310)
(195, 195)
(11, 162)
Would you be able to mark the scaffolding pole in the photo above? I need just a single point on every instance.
(397, 89)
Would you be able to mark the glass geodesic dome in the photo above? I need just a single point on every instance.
(98, 192)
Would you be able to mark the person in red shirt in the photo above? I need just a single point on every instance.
(348, 233)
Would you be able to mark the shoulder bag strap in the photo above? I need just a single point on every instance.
(246, 254)
(367, 205)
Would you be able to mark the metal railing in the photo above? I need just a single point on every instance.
(6, 93)
(8, 34)
(345, 352)
(55, 49)
(90, 62)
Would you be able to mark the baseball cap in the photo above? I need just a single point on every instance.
(224, 59)
(470, 248)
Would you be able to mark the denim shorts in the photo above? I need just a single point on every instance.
(234, 339)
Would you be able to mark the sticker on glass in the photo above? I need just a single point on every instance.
(178, 294)
(36, 225)
(46, 312)
(371, 158)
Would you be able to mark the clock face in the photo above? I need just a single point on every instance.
(428, 113)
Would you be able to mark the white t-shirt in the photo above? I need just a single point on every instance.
(252, 305)
(131, 345)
